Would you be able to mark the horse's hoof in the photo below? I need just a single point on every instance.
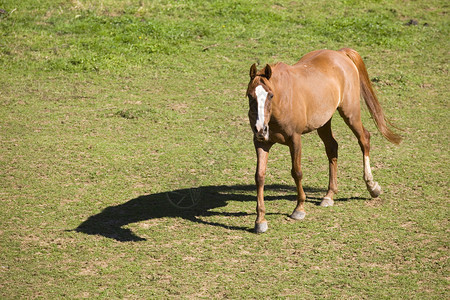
(298, 215)
(327, 202)
(261, 227)
(375, 191)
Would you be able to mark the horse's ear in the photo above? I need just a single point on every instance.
(253, 71)
(267, 72)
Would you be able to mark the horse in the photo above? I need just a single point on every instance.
(286, 101)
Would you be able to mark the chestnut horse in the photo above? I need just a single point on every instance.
(287, 101)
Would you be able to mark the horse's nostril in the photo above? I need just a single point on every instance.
(255, 129)
(265, 129)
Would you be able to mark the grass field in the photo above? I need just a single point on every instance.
(108, 107)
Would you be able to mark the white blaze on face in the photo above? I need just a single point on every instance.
(261, 96)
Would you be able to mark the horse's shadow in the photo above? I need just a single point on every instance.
(112, 220)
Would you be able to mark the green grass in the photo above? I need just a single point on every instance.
(108, 106)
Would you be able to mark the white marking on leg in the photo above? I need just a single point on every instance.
(261, 96)
(372, 186)
(367, 171)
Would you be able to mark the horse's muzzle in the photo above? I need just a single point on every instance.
(262, 134)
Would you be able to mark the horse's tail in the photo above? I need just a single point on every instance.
(370, 98)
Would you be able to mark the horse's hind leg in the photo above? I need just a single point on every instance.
(353, 120)
(331, 147)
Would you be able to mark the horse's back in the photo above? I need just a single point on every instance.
(325, 57)
(328, 70)
(320, 81)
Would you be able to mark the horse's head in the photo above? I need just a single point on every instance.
(260, 96)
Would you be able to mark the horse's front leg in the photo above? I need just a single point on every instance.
(296, 156)
(262, 153)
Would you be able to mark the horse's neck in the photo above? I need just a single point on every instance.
(283, 86)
